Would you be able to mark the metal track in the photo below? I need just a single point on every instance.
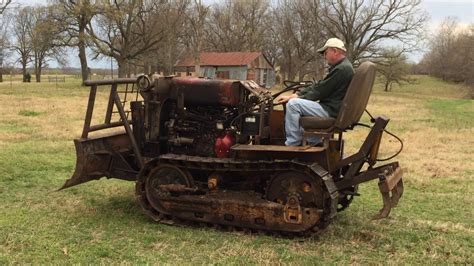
(243, 167)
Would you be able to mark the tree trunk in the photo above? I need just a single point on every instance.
(197, 53)
(146, 68)
(291, 74)
(83, 56)
(38, 74)
(197, 62)
(122, 67)
(23, 71)
(38, 67)
(386, 86)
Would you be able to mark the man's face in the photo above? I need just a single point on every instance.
(330, 54)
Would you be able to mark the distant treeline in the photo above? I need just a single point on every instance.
(61, 71)
(451, 53)
(147, 35)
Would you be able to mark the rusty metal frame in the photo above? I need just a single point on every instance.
(90, 109)
(368, 175)
(110, 105)
(358, 159)
(114, 98)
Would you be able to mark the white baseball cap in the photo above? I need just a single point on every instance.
(334, 43)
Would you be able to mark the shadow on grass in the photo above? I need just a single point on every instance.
(124, 209)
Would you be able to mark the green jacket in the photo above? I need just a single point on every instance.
(330, 91)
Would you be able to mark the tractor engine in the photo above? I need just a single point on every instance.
(202, 117)
(201, 131)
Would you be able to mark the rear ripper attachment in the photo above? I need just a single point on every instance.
(211, 152)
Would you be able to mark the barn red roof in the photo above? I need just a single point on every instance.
(222, 59)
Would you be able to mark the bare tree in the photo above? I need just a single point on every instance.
(176, 42)
(297, 36)
(194, 31)
(393, 67)
(72, 18)
(465, 58)
(4, 41)
(451, 54)
(3, 5)
(441, 49)
(127, 30)
(44, 41)
(364, 25)
(237, 25)
(22, 24)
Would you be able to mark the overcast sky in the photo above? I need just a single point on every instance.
(463, 10)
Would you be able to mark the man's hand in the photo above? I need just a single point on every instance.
(285, 98)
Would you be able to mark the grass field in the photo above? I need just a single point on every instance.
(100, 221)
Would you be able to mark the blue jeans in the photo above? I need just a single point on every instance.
(296, 108)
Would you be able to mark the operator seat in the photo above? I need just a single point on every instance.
(352, 107)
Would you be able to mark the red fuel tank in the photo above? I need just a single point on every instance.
(223, 144)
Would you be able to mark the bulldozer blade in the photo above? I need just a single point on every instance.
(391, 189)
(101, 157)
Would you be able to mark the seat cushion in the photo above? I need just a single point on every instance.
(314, 122)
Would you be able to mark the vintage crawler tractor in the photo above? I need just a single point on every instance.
(212, 152)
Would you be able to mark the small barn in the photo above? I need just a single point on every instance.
(232, 65)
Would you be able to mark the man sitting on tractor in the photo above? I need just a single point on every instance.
(322, 99)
